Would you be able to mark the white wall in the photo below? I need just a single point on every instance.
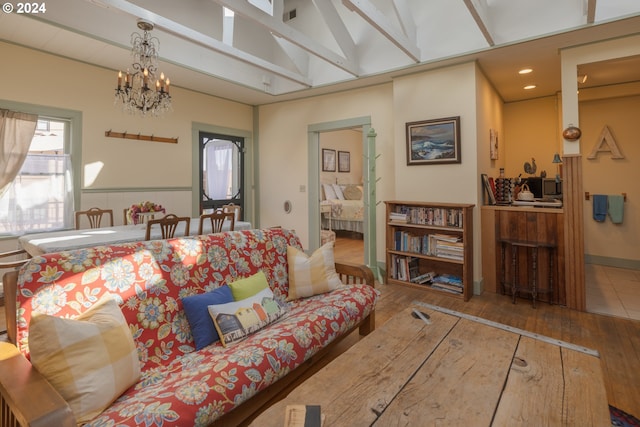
(284, 151)
(446, 92)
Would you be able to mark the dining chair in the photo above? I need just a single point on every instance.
(168, 226)
(15, 263)
(94, 215)
(217, 218)
(235, 209)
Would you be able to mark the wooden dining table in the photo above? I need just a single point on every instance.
(63, 240)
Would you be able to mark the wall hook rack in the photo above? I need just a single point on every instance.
(139, 137)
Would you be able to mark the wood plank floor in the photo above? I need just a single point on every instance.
(616, 339)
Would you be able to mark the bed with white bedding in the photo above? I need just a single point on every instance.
(347, 207)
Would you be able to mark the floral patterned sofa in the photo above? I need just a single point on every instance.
(178, 386)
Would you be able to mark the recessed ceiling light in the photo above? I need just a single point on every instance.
(525, 71)
(527, 87)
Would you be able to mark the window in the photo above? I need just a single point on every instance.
(41, 196)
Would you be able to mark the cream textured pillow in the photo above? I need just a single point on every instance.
(89, 360)
(311, 275)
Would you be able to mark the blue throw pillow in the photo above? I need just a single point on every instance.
(195, 307)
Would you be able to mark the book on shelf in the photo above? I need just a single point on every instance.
(448, 282)
(489, 188)
(398, 217)
(435, 244)
(404, 268)
(449, 279)
(446, 237)
(446, 287)
(423, 278)
(444, 217)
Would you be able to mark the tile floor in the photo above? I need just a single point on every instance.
(613, 291)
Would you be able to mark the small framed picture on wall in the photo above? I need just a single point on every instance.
(344, 161)
(328, 160)
(493, 144)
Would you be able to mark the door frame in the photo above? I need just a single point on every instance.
(369, 198)
(238, 142)
(249, 162)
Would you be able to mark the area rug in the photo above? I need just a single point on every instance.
(619, 418)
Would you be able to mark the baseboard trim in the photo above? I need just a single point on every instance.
(631, 264)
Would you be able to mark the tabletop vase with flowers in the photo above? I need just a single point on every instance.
(133, 216)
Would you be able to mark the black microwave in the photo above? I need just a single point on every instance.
(552, 188)
(544, 187)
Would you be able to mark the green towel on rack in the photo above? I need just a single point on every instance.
(616, 208)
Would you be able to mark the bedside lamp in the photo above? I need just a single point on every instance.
(557, 160)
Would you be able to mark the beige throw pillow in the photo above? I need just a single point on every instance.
(89, 360)
(311, 275)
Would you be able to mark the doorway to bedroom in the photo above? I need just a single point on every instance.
(341, 192)
(356, 160)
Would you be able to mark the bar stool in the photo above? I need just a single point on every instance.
(533, 248)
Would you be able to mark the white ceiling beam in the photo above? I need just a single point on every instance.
(211, 43)
(337, 27)
(278, 8)
(299, 57)
(480, 13)
(280, 29)
(376, 19)
(591, 11)
(406, 18)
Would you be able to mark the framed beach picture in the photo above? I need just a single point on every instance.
(433, 141)
(328, 160)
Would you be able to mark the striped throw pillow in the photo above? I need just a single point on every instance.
(89, 360)
(311, 275)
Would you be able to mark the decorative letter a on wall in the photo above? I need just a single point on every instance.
(606, 139)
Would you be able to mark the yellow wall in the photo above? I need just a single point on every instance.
(531, 130)
(605, 175)
(343, 140)
(34, 77)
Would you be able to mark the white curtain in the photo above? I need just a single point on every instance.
(219, 167)
(16, 133)
(40, 198)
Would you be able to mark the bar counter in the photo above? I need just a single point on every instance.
(541, 225)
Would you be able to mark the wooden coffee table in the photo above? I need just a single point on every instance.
(457, 370)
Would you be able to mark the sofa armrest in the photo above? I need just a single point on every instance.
(354, 273)
(26, 398)
(359, 273)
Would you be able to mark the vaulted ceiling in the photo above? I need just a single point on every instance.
(272, 50)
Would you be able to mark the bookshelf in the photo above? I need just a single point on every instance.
(430, 246)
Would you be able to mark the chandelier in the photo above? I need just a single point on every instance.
(139, 90)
